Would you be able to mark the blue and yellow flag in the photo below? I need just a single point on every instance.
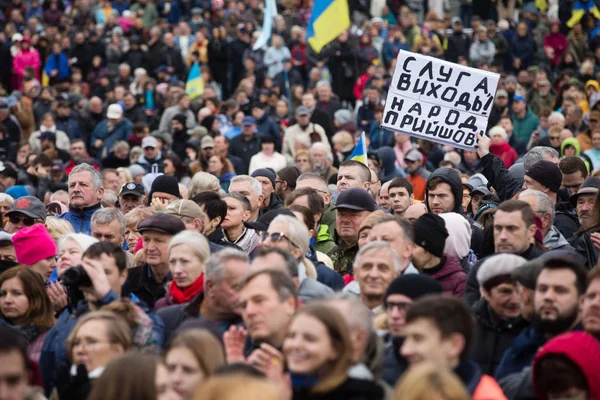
(328, 19)
(194, 86)
(360, 151)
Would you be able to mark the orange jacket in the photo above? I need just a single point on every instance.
(488, 389)
(419, 184)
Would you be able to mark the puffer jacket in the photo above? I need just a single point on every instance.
(554, 240)
(451, 276)
(311, 289)
(493, 336)
(81, 219)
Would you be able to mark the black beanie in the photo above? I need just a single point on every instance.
(413, 286)
(267, 173)
(180, 118)
(165, 184)
(546, 173)
(431, 233)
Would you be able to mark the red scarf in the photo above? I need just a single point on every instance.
(184, 295)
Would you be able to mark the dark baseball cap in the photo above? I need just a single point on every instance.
(263, 222)
(356, 199)
(8, 172)
(248, 120)
(131, 188)
(163, 223)
(30, 206)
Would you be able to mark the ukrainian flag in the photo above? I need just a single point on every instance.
(329, 18)
(194, 86)
(360, 151)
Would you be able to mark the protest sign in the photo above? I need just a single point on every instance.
(438, 100)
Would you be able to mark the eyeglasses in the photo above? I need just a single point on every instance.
(402, 306)
(275, 237)
(27, 221)
(554, 137)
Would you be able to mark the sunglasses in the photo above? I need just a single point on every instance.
(275, 237)
(27, 221)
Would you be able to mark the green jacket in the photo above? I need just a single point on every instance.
(328, 219)
(524, 127)
(343, 256)
(150, 17)
(324, 242)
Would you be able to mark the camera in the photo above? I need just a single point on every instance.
(76, 277)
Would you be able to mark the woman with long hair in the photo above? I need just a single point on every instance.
(174, 167)
(221, 167)
(427, 381)
(25, 306)
(192, 357)
(318, 353)
(129, 377)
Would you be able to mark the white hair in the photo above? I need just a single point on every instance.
(82, 240)
(255, 184)
(537, 154)
(195, 240)
(105, 216)
(542, 201)
(323, 83)
(297, 231)
(7, 198)
(378, 245)
(214, 269)
(84, 167)
(321, 146)
(203, 182)
(556, 116)
(54, 195)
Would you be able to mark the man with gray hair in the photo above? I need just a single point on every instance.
(85, 194)
(326, 100)
(251, 189)
(108, 225)
(218, 301)
(542, 206)
(375, 267)
(322, 159)
(290, 234)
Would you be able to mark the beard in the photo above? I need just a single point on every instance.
(557, 326)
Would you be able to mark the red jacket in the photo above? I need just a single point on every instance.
(503, 151)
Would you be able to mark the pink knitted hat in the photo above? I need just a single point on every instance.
(33, 244)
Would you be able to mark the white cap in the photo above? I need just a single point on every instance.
(17, 37)
(149, 141)
(114, 111)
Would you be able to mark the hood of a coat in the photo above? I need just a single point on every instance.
(451, 177)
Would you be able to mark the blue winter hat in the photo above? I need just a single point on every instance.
(17, 191)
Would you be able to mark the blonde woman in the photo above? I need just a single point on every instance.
(427, 381)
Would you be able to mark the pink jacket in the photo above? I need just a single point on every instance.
(30, 58)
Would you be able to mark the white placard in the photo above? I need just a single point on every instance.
(438, 100)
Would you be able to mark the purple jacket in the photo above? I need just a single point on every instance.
(452, 277)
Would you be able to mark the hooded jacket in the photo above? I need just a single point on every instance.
(580, 348)
(389, 170)
(493, 336)
(451, 276)
(451, 177)
(81, 218)
(554, 240)
(570, 141)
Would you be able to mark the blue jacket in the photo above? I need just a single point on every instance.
(81, 218)
(394, 364)
(391, 49)
(70, 126)
(379, 137)
(521, 353)
(523, 49)
(266, 127)
(366, 112)
(121, 131)
(54, 350)
(58, 62)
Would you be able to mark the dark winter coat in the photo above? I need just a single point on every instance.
(244, 149)
(143, 286)
(343, 67)
(394, 364)
(351, 389)
(472, 294)
(493, 336)
(458, 46)
(267, 128)
(582, 243)
(520, 354)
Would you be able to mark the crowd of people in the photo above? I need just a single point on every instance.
(229, 245)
